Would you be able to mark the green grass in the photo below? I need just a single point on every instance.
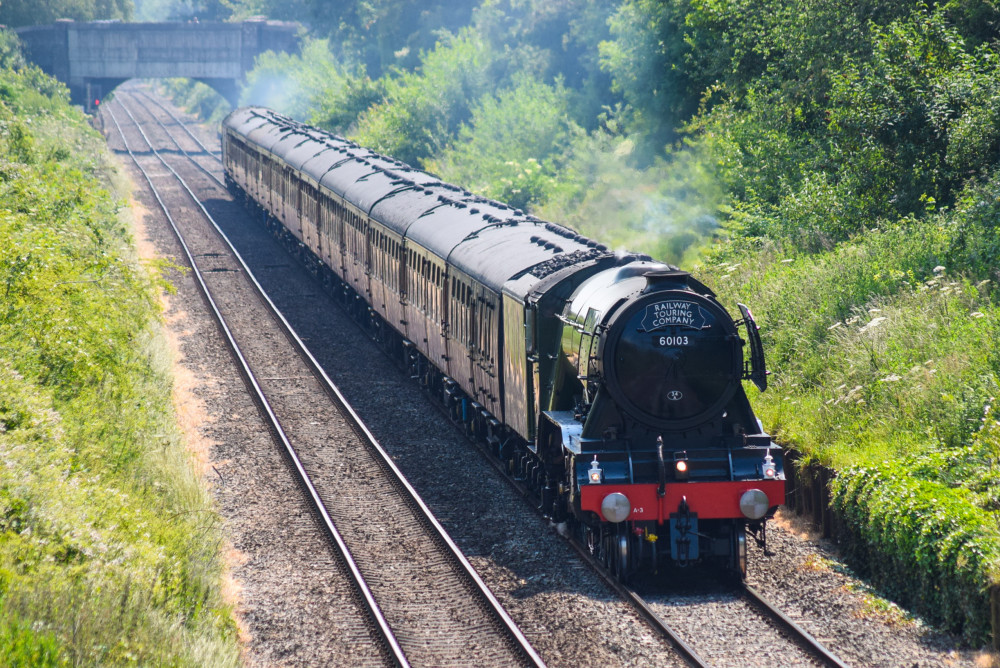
(885, 366)
(109, 544)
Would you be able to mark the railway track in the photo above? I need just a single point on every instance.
(763, 634)
(784, 642)
(761, 627)
(424, 603)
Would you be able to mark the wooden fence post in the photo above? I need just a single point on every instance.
(995, 616)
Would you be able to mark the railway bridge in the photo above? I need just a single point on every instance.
(91, 58)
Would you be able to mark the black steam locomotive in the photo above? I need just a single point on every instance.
(609, 383)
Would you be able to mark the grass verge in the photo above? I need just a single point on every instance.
(109, 545)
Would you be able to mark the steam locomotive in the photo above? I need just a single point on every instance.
(608, 382)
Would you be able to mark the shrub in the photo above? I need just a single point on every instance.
(423, 110)
(108, 543)
(513, 145)
(923, 543)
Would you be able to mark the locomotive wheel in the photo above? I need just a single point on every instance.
(620, 556)
(739, 558)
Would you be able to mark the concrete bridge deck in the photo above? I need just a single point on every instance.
(94, 57)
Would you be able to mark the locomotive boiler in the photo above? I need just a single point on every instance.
(610, 384)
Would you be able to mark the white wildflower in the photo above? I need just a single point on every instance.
(874, 323)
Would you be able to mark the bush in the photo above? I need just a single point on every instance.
(197, 98)
(915, 351)
(513, 145)
(422, 111)
(108, 542)
(311, 86)
(922, 543)
(668, 210)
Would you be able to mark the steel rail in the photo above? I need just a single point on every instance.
(187, 154)
(519, 640)
(654, 620)
(657, 623)
(799, 634)
(184, 126)
(374, 612)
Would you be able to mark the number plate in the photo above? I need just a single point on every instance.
(670, 341)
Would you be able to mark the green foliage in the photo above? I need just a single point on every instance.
(893, 124)
(923, 543)
(924, 109)
(377, 35)
(108, 544)
(423, 110)
(312, 86)
(512, 147)
(23, 647)
(974, 227)
(198, 99)
(974, 468)
(667, 210)
(644, 61)
(29, 91)
(915, 350)
(17, 13)
(183, 10)
(11, 56)
(553, 40)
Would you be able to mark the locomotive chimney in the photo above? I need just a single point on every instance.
(659, 278)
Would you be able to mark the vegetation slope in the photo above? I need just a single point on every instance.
(109, 546)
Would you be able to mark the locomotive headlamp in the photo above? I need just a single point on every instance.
(681, 469)
(769, 469)
(615, 507)
(596, 473)
(754, 504)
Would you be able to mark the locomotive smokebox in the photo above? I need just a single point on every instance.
(671, 356)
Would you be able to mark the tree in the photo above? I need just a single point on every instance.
(423, 109)
(513, 144)
(17, 13)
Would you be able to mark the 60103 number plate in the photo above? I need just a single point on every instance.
(670, 341)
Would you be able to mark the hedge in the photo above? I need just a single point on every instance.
(923, 543)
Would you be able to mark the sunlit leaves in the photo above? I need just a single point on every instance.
(513, 144)
(17, 13)
(423, 109)
(922, 543)
(105, 554)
